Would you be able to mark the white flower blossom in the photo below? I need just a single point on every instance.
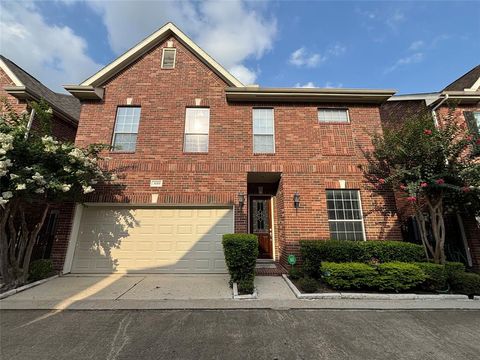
(93, 182)
(65, 187)
(21, 187)
(87, 189)
(113, 177)
(3, 201)
(39, 178)
(7, 194)
(14, 176)
(67, 168)
(40, 190)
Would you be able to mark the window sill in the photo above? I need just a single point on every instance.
(195, 153)
(263, 154)
(122, 152)
(333, 123)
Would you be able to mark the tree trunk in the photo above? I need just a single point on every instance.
(435, 208)
(429, 251)
(17, 242)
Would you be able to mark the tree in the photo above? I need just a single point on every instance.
(36, 171)
(436, 168)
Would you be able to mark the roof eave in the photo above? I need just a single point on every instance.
(85, 92)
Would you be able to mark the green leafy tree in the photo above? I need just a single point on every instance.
(36, 171)
(436, 168)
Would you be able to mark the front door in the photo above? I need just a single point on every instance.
(261, 224)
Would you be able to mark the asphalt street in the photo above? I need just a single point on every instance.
(239, 334)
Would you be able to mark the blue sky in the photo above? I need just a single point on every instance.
(409, 46)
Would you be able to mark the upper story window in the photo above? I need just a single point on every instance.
(345, 215)
(333, 115)
(477, 119)
(168, 58)
(263, 131)
(126, 129)
(197, 122)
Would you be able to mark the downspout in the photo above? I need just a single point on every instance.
(434, 114)
(30, 122)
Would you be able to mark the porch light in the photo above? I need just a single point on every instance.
(296, 200)
(241, 199)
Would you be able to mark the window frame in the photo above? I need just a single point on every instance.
(347, 111)
(113, 150)
(361, 220)
(273, 152)
(165, 49)
(185, 130)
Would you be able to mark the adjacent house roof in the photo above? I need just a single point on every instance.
(28, 87)
(468, 82)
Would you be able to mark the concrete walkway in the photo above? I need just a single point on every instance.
(107, 292)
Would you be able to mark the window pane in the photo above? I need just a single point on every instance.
(263, 144)
(263, 121)
(477, 118)
(125, 142)
(197, 121)
(344, 215)
(333, 115)
(127, 120)
(196, 143)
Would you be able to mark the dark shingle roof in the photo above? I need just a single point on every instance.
(466, 81)
(66, 103)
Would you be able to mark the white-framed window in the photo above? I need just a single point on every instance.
(197, 123)
(477, 119)
(263, 131)
(168, 58)
(333, 115)
(345, 217)
(126, 128)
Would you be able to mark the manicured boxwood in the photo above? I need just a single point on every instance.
(314, 252)
(308, 285)
(453, 268)
(436, 276)
(392, 276)
(346, 276)
(465, 283)
(241, 252)
(40, 269)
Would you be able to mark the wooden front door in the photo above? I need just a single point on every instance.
(261, 224)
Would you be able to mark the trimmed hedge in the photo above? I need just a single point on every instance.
(40, 269)
(436, 276)
(466, 283)
(308, 285)
(316, 252)
(348, 275)
(241, 252)
(392, 276)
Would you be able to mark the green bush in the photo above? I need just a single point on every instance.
(241, 252)
(398, 276)
(246, 286)
(436, 276)
(465, 283)
(40, 269)
(315, 252)
(294, 273)
(453, 268)
(348, 275)
(308, 285)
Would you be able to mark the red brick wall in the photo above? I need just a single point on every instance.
(17, 105)
(310, 156)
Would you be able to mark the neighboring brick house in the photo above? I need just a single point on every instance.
(462, 230)
(200, 154)
(19, 88)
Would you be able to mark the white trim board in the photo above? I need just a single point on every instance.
(10, 74)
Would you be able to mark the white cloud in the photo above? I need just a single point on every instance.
(416, 45)
(309, 84)
(394, 19)
(330, 84)
(53, 54)
(411, 59)
(302, 57)
(336, 50)
(230, 31)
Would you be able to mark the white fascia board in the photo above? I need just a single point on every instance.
(123, 60)
(10, 74)
(475, 86)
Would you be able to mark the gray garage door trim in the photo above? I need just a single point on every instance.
(170, 239)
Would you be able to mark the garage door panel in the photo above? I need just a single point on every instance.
(166, 240)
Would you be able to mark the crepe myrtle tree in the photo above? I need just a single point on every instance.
(436, 168)
(36, 171)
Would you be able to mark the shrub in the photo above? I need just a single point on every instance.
(315, 252)
(294, 273)
(40, 269)
(466, 283)
(246, 286)
(308, 285)
(453, 268)
(348, 275)
(398, 276)
(436, 276)
(241, 252)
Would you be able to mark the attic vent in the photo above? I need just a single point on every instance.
(168, 58)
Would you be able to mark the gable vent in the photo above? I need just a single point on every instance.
(168, 58)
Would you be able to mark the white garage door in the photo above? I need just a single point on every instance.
(152, 240)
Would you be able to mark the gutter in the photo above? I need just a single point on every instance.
(434, 114)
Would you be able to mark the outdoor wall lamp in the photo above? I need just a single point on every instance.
(296, 200)
(241, 199)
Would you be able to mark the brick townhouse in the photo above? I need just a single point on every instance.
(200, 154)
(19, 88)
(462, 230)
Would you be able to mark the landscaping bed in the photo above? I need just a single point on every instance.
(377, 267)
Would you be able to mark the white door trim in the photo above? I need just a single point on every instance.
(72, 241)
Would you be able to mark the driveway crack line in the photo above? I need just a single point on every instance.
(130, 288)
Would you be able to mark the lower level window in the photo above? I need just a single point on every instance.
(345, 215)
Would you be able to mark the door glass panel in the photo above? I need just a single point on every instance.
(260, 216)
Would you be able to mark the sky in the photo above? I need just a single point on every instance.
(412, 47)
